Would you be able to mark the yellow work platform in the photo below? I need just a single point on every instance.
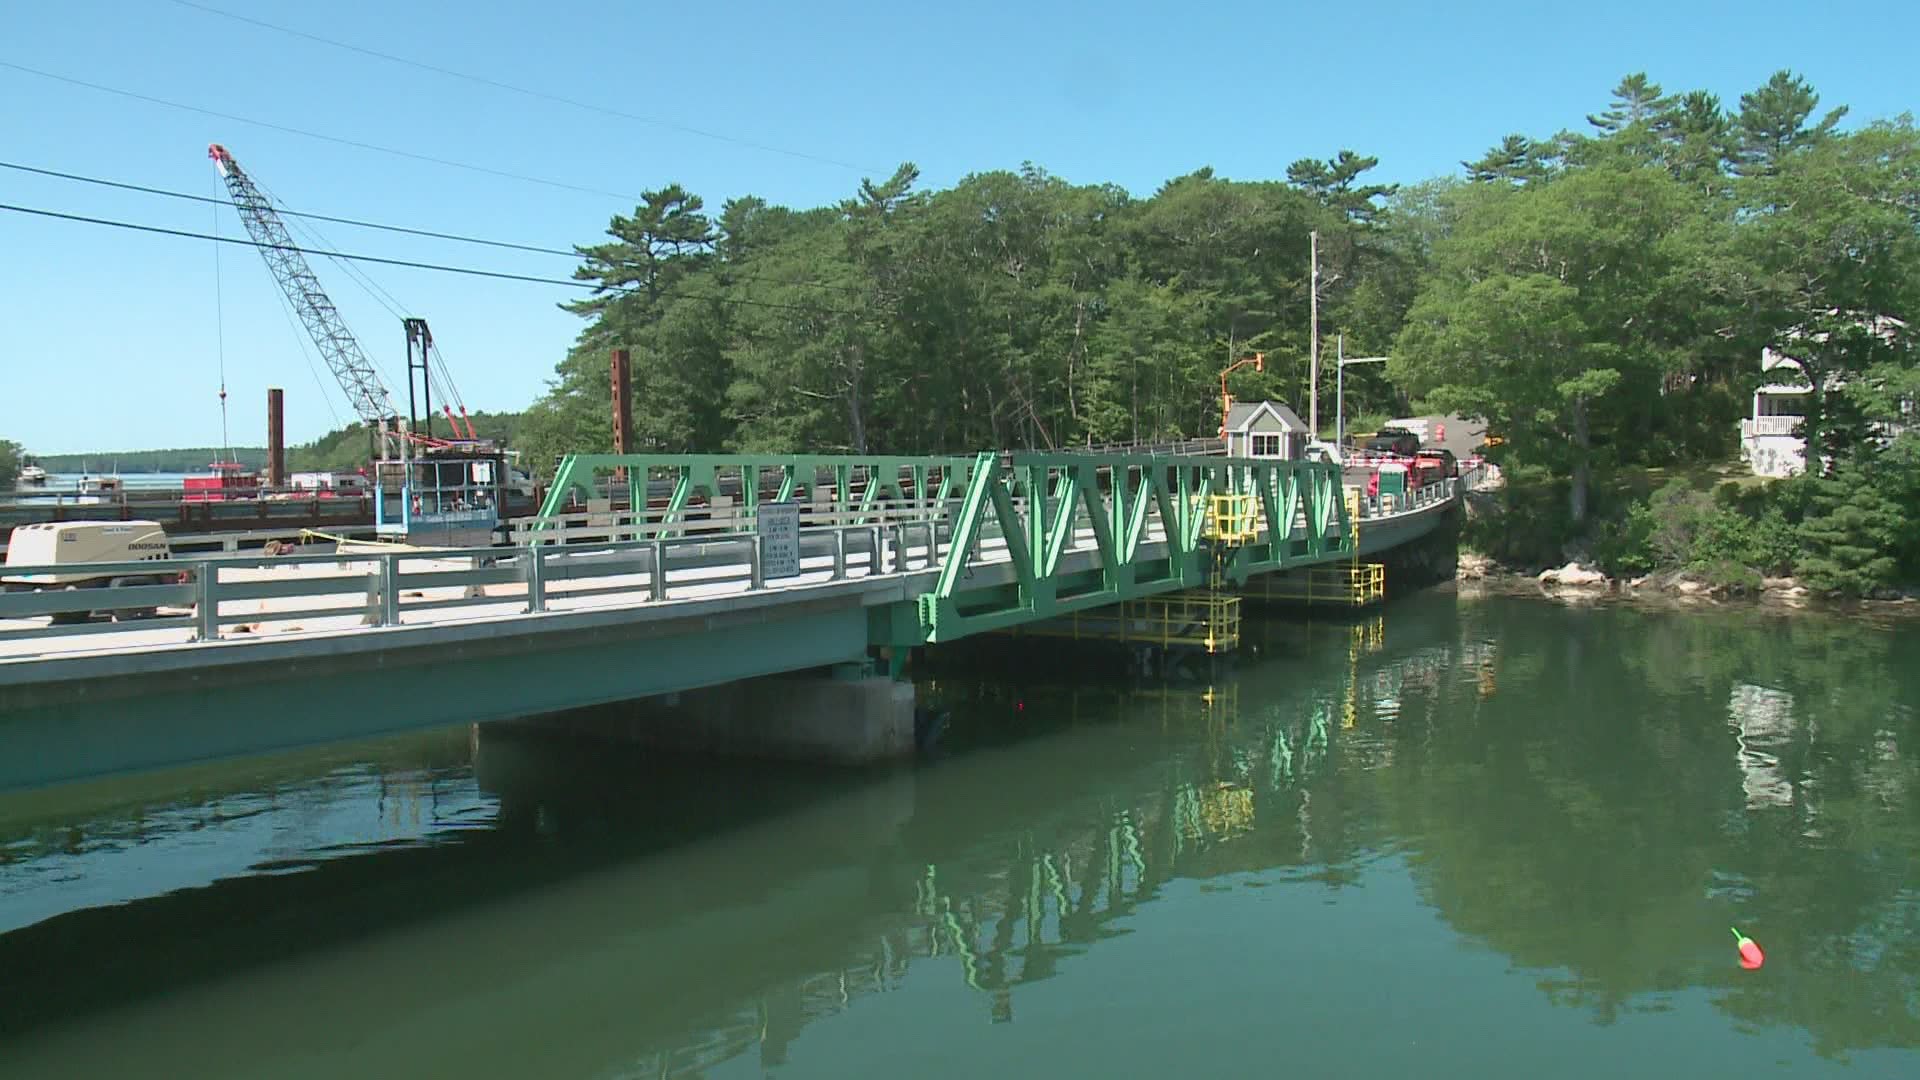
(1340, 585)
(1197, 618)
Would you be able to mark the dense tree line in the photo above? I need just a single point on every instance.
(187, 459)
(1014, 309)
(1604, 298)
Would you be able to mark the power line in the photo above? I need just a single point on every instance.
(604, 110)
(317, 135)
(438, 267)
(362, 224)
(284, 212)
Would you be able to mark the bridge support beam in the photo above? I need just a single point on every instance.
(847, 717)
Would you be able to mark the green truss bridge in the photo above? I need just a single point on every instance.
(685, 580)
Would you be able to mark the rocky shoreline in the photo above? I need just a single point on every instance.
(1575, 583)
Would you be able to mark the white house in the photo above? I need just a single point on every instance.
(1768, 439)
(1768, 442)
(1265, 429)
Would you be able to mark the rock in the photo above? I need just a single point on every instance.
(1473, 566)
(1779, 584)
(1689, 588)
(1573, 576)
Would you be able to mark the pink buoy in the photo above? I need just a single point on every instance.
(1750, 955)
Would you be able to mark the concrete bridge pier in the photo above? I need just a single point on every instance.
(842, 715)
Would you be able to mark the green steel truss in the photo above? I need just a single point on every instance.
(857, 485)
(1080, 531)
(1147, 518)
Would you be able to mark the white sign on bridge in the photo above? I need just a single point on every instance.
(779, 525)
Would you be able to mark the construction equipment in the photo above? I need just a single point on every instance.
(427, 491)
(289, 268)
(421, 356)
(84, 545)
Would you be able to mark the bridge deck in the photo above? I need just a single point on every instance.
(313, 597)
(254, 654)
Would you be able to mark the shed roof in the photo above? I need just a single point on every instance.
(1240, 416)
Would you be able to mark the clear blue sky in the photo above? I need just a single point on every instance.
(110, 340)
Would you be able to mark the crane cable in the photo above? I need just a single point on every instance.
(453, 390)
(220, 337)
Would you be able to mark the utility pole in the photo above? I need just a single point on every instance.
(1313, 337)
(1341, 364)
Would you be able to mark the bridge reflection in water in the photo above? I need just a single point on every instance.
(524, 908)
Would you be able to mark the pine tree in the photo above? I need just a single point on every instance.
(1772, 123)
(1517, 160)
(1697, 137)
(1332, 182)
(1636, 101)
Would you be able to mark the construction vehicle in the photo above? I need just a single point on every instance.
(428, 491)
(79, 544)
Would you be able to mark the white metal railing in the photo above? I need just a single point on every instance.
(615, 525)
(1392, 504)
(212, 599)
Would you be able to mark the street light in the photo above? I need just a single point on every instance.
(1340, 394)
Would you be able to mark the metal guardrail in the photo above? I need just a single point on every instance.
(1374, 507)
(384, 589)
(725, 518)
(1178, 447)
(223, 597)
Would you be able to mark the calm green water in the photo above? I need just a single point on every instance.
(1489, 838)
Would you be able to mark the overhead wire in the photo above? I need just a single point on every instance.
(284, 212)
(416, 64)
(354, 274)
(375, 147)
(281, 209)
(500, 275)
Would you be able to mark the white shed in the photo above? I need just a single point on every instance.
(1265, 429)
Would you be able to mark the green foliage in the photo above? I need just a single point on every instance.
(1546, 313)
(1011, 310)
(1772, 124)
(1728, 538)
(1527, 525)
(10, 460)
(1854, 530)
(1602, 300)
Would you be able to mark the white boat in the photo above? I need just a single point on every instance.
(31, 476)
(94, 490)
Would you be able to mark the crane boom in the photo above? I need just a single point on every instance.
(337, 345)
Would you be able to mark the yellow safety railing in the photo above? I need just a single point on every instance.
(1231, 520)
(1197, 618)
(1347, 584)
